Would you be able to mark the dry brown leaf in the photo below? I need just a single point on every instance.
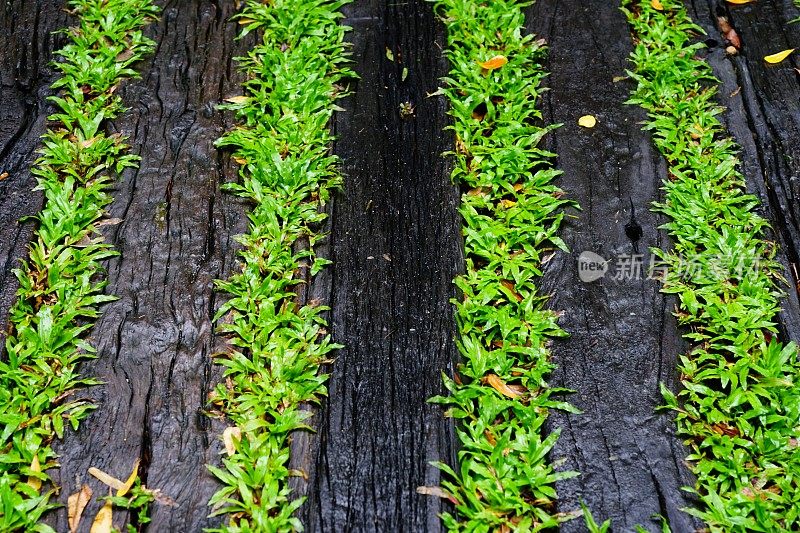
(3, 176)
(494, 63)
(733, 38)
(509, 285)
(230, 437)
(104, 520)
(238, 99)
(780, 56)
(724, 25)
(34, 482)
(500, 386)
(126, 55)
(111, 481)
(76, 503)
(438, 492)
(109, 222)
(432, 491)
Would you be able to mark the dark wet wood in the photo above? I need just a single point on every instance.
(395, 243)
(623, 340)
(155, 343)
(26, 50)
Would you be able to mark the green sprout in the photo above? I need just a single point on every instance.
(739, 408)
(276, 345)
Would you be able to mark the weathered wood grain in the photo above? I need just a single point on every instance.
(395, 240)
(623, 340)
(395, 243)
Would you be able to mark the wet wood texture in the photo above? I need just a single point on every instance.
(395, 243)
(395, 240)
(763, 114)
(623, 340)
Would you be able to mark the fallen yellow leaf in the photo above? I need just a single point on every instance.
(508, 203)
(245, 22)
(104, 520)
(587, 121)
(34, 482)
(657, 5)
(780, 56)
(123, 490)
(76, 503)
(238, 99)
(738, 2)
(495, 62)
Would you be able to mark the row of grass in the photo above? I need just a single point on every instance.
(61, 282)
(739, 407)
(511, 215)
(287, 174)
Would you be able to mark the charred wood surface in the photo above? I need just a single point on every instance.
(763, 114)
(623, 339)
(395, 242)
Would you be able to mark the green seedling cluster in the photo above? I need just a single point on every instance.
(739, 409)
(511, 214)
(61, 284)
(287, 173)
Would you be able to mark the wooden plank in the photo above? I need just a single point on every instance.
(155, 343)
(395, 243)
(623, 340)
(27, 43)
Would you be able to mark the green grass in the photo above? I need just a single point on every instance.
(61, 284)
(511, 215)
(739, 407)
(287, 174)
